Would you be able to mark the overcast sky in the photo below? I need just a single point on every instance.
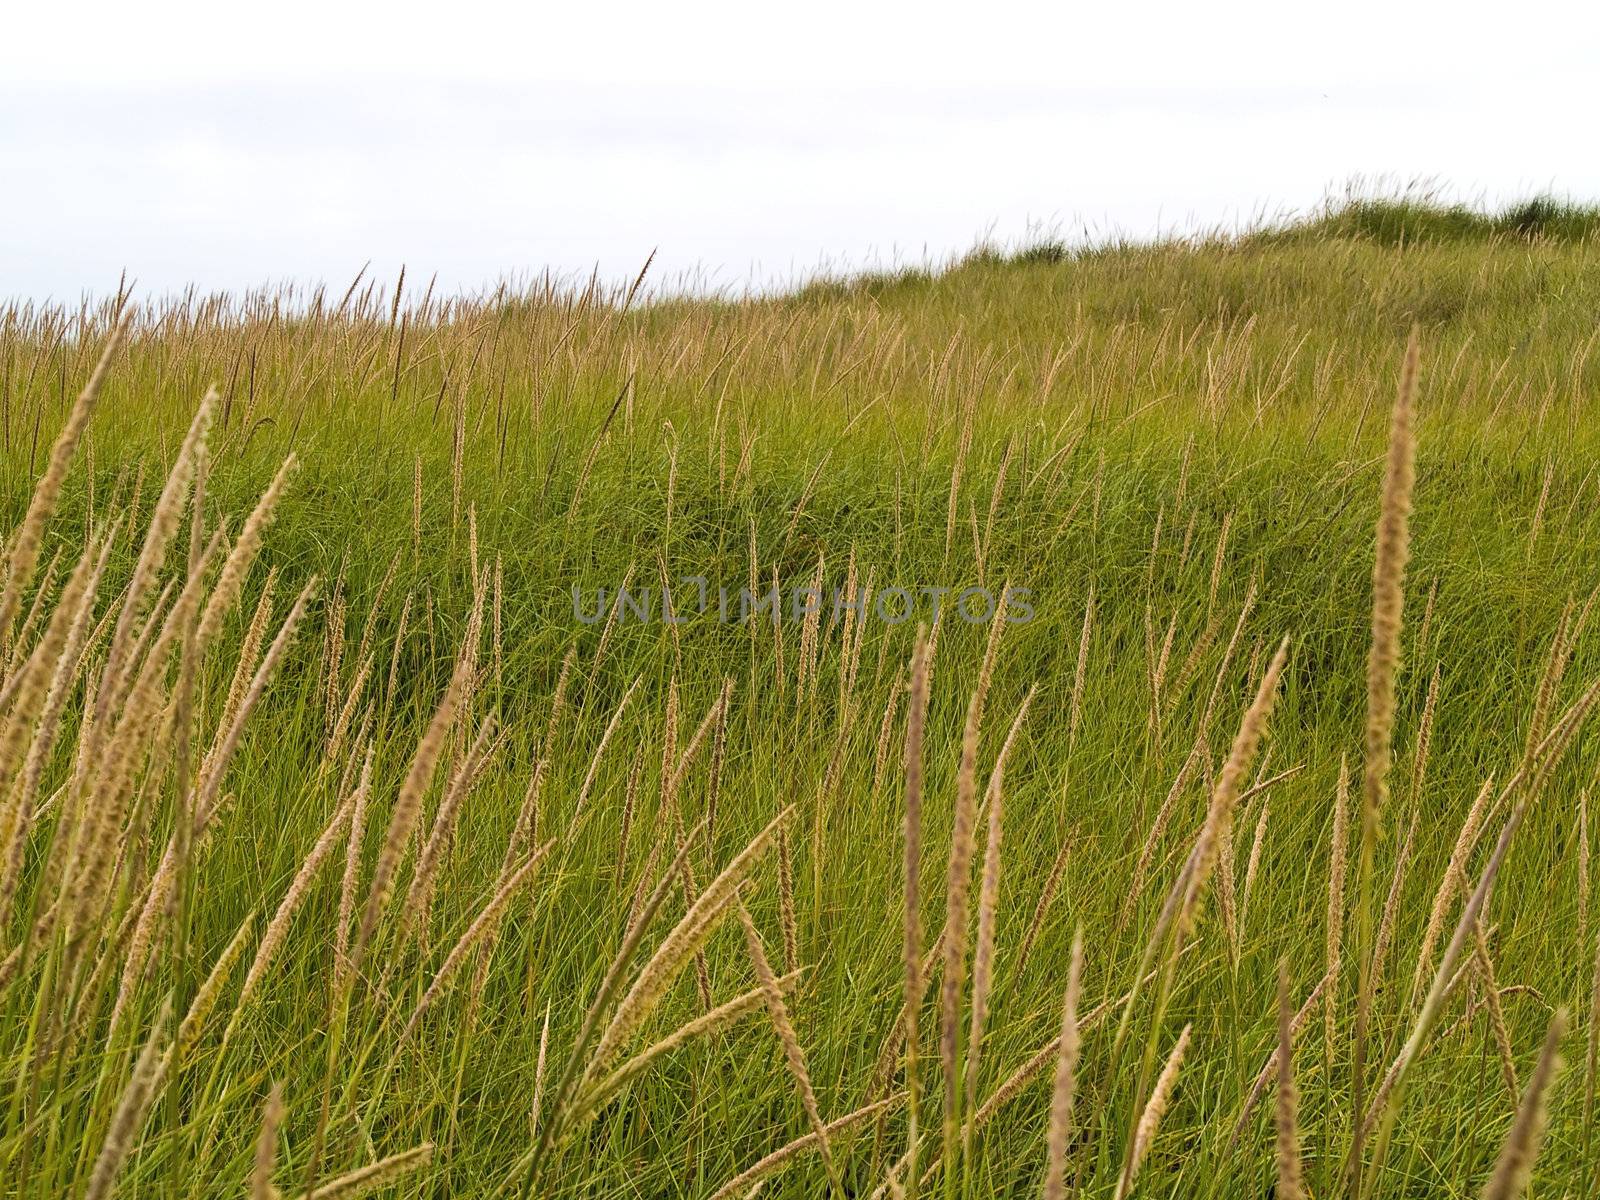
(232, 145)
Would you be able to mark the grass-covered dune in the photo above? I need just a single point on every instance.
(453, 863)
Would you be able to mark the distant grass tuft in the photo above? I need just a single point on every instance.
(1391, 221)
(1411, 216)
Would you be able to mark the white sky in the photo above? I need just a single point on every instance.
(230, 145)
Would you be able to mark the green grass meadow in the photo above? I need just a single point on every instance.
(1185, 440)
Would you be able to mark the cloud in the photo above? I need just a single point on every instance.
(227, 184)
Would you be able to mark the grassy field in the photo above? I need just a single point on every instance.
(335, 831)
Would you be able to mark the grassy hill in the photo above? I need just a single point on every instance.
(1175, 452)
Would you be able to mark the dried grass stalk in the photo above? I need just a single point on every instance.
(1058, 1139)
(1515, 1165)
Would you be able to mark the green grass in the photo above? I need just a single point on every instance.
(1244, 382)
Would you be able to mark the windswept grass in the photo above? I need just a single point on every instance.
(339, 850)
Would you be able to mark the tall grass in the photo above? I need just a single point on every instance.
(335, 852)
